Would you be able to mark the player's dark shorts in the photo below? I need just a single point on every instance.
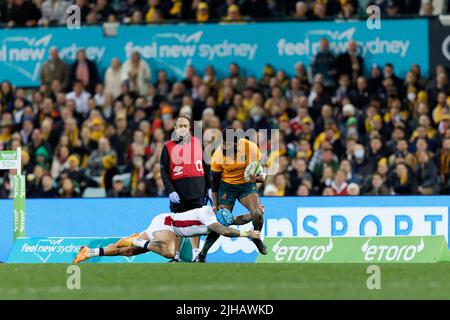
(186, 205)
(228, 193)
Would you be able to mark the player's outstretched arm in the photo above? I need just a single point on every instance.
(233, 233)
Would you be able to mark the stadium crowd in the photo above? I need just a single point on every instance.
(53, 12)
(340, 132)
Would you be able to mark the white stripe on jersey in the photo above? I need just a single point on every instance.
(193, 222)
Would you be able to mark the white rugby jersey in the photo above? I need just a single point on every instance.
(193, 222)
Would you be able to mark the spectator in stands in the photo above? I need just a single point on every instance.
(353, 189)
(328, 159)
(378, 188)
(443, 160)
(153, 10)
(233, 14)
(53, 12)
(128, 7)
(439, 84)
(37, 143)
(377, 151)
(389, 73)
(402, 180)
(47, 190)
(432, 7)
(392, 9)
(319, 10)
(113, 78)
(339, 185)
(108, 173)
(237, 80)
(350, 62)
(76, 174)
(163, 86)
(137, 73)
(202, 12)
(95, 165)
(137, 171)
(347, 10)
(54, 69)
(301, 10)
(24, 13)
(119, 189)
(80, 97)
(142, 189)
(5, 11)
(427, 175)
(303, 191)
(138, 147)
(155, 182)
(68, 189)
(84, 9)
(299, 174)
(324, 63)
(135, 18)
(59, 161)
(188, 78)
(281, 184)
(85, 71)
(103, 10)
(26, 131)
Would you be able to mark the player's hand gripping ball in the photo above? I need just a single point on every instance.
(225, 217)
(253, 168)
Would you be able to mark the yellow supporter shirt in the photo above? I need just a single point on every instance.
(233, 169)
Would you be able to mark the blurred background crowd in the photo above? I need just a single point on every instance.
(92, 134)
(53, 12)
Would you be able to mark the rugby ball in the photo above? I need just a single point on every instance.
(253, 168)
(224, 216)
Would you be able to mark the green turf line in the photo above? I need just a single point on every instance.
(225, 281)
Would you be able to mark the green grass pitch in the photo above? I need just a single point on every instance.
(225, 281)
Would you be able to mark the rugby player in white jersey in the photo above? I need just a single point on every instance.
(161, 236)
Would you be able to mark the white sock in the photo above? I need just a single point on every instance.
(94, 252)
(177, 255)
(138, 242)
(195, 253)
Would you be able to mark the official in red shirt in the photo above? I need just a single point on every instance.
(184, 174)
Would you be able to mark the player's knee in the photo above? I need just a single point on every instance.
(169, 253)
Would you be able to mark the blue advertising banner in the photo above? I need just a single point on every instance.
(64, 250)
(284, 217)
(173, 47)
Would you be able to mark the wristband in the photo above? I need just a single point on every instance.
(244, 233)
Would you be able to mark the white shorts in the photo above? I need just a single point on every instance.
(158, 224)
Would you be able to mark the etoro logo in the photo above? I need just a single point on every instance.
(301, 253)
(391, 253)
